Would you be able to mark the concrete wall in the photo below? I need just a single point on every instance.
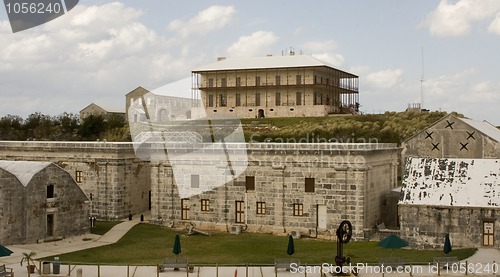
(113, 177)
(426, 226)
(349, 183)
(69, 207)
(443, 141)
(12, 201)
(25, 210)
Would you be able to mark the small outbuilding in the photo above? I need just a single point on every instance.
(39, 201)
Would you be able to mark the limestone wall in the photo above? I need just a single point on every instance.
(12, 200)
(426, 226)
(115, 180)
(32, 214)
(450, 137)
(350, 184)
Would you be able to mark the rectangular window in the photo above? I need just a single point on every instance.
(240, 212)
(257, 99)
(185, 209)
(298, 209)
(261, 208)
(223, 82)
(317, 98)
(210, 82)
(238, 99)
(222, 100)
(195, 181)
(278, 80)
(205, 205)
(210, 100)
(50, 191)
(298, 98)
(79, 176)
(309, 185)
(298, 79)
(238, 81)
(257, 80)
(278, 99)
(250, 183)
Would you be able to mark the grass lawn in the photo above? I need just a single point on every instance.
(101, 227)
(150, 244)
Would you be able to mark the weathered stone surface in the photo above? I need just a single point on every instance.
(29, 213)
(350, 181)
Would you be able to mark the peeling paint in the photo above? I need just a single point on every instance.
(451, 182)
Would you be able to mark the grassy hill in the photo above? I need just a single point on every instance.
(389, 127)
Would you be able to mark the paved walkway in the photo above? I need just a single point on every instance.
(484, 256)
(72, 244)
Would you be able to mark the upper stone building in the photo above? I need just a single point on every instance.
(275, 86)
(94, 109)
(158, 105)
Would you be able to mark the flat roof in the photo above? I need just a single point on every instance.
(264, 63)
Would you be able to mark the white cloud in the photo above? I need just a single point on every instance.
(448, 85)
(324, 51)
(484, 92)
(91, 54)
(459, 92)
(116, 15)
(495, 25)
(385, 79)
(337, 60)
(456, 19)
(258, 43)
(319, 46)
(208, 20)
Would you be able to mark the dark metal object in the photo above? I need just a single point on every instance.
(344, 234)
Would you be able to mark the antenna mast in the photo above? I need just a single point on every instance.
(422, 82)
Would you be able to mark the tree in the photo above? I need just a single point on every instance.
(68, 125)
(92, 127)
(11, 128)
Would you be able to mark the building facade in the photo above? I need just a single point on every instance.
(455, 137)
(96, 110)
(306, 188)
(459, 197)
(145, 106)
(275, 86)
(40, 201)
(114, 180)
(445, 161)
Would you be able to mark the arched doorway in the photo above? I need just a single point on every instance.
(260, 113)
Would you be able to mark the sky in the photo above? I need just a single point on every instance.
(101, 50)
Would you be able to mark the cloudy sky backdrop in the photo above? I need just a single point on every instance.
(101, 50)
